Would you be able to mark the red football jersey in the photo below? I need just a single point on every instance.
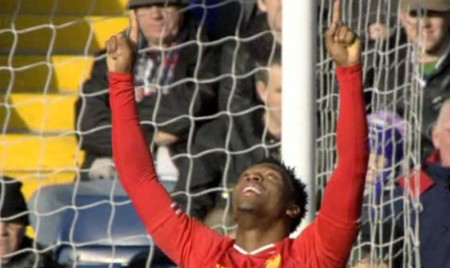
(326, 242)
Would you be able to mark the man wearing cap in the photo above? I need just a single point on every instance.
(170, 63)
(422, 64)
(171, 60)
(16, 249)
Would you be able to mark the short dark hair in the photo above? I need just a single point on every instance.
(299, 195)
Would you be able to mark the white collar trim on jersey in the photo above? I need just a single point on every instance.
(256, 251)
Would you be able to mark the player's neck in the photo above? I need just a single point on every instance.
(254, 235)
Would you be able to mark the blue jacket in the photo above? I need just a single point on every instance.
(433, 192)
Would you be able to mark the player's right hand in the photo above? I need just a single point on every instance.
(121, 50)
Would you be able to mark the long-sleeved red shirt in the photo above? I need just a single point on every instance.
(326, 242)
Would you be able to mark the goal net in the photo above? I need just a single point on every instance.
(48, 49)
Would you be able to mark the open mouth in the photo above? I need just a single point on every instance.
(249, 190)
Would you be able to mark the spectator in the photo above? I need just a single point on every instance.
(376, 18)
(224, 18)
(16, 249)
(431, 189)
(237, 61)
(169, 61)
(163, 60)
(381, 247)
(381, 21)
(268, 201)
(386, 132)
(386, 141)
(273, 11)
(423, 64)
(378, 22)
(381, 243)
(225, 147)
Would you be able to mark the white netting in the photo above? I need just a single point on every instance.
(392, 77)
(47, 51)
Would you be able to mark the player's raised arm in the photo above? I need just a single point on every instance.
(344, 191)
(337, 223)
(121, 52)
(171, 229)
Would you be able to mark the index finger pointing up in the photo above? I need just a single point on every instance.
(134, 28)
(336, 15)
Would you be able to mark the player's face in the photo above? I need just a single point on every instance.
(441, 136)
(274, 15)
(11, 235)
(262, 189)
(429, 30)
(159, 24)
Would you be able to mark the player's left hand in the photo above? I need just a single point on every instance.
(341, 42)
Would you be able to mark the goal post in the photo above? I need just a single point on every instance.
(299, 105)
